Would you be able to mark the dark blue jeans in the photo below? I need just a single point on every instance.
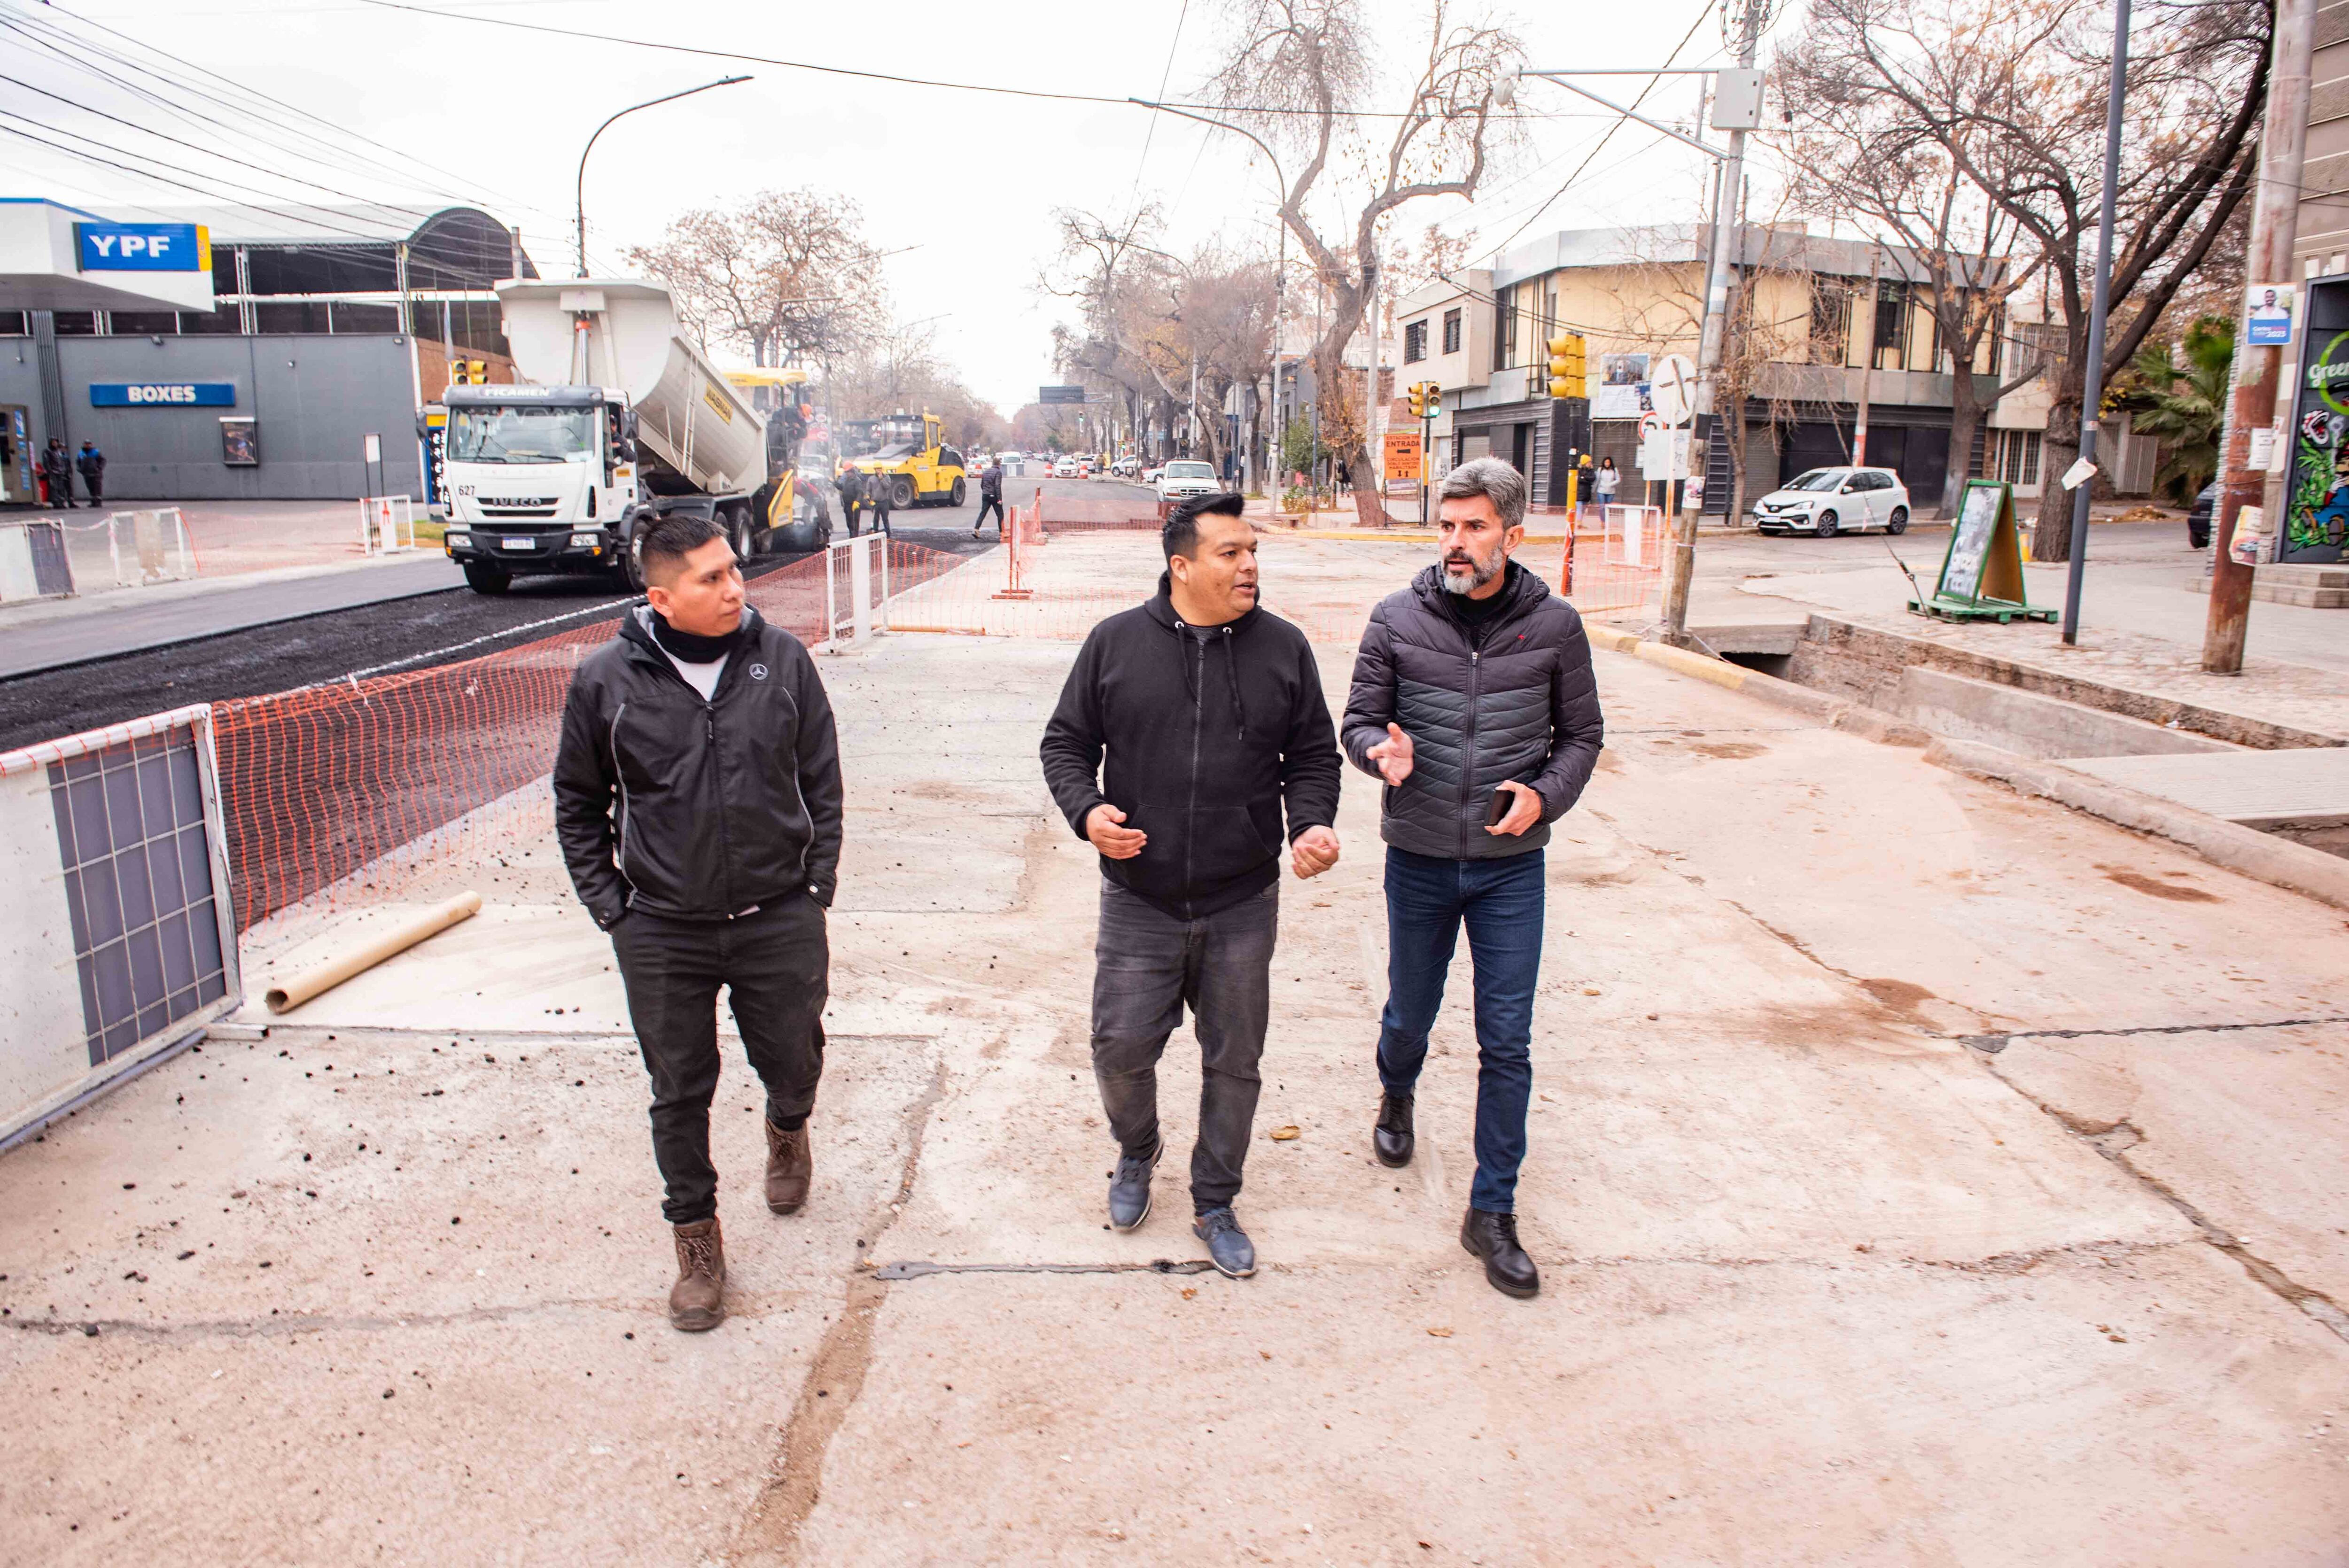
(1501, 904)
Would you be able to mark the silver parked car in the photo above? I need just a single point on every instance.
(1828, 501)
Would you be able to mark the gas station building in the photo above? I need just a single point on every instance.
(238, 353)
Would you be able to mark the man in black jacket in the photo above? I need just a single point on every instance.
(57, 467)
(990, 497)
(91, 462)
(1211, 715)
(697, 800)
(1473, 701)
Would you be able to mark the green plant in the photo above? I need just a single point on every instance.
(2184, 406)
(1297, 450)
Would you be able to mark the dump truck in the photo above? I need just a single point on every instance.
(908, 453)
(622, 419)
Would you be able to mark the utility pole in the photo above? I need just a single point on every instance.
(1868, 363)
(1680, 563)
(1372, 425)
(2260, 372)
(2092, 393)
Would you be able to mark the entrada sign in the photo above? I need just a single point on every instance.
(143, 247)
(162, 394)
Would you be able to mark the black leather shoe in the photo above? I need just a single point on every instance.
(1494, 1238)
(1390, 1139)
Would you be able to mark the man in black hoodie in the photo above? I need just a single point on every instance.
(1211, 716)
(698, 800)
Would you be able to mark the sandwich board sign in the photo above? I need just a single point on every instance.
(1982, 574)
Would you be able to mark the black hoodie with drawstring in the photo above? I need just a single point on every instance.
(1207, 738)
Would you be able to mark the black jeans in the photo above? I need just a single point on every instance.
(775, 964)
(988, 503)
(1147, 965)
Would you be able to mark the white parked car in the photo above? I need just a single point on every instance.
(1828, 501)
(1066, 469)
(1184, 478)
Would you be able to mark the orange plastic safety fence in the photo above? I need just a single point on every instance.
(318, 783)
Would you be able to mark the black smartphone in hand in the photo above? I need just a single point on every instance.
(1504, 800)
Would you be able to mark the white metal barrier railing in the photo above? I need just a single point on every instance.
(33, 560)
(1634, 535)
(387, 524)
(160, 548)
(854, 605)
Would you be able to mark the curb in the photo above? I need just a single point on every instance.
(2259, 855)
(2279, 862)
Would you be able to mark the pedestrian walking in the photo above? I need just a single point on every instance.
(56, 472)
(1473, 701)
(990, 497)
(91, 462)
(698, 801)
(1187, 727)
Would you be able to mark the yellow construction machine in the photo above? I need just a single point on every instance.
(910, 453)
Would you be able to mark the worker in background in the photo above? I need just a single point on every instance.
(92, 464)
(56, 473)
(852, 497)
(879, 489)
(990, 497)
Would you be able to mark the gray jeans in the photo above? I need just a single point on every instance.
(1147, 966)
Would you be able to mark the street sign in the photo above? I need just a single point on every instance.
(1049, 395)
(1672, 389)
(1403, 455)
(1981, 573)
(1664, 455)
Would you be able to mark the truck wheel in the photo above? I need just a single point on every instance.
(487, 577)
(901, 492)
(955, 496)
(737, 533)
(628, 566)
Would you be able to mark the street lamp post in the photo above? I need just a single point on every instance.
(581, 191)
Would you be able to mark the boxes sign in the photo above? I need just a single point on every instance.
(162, 394)
(143, 247)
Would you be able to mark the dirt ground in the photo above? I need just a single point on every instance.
(1919, 1173)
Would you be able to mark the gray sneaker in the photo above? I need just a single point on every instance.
(1227, 1244)
(1129, 1190)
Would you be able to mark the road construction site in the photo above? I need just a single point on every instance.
(1922, 1170)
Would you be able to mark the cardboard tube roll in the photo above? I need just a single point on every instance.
(293, 992)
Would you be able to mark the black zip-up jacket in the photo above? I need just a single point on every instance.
(698, 810)
(990, 483)
(1512, 698)
(1205, 741)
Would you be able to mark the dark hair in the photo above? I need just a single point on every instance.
(1180, 536)
(668, 542)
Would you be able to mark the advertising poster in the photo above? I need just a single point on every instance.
(2316, 510)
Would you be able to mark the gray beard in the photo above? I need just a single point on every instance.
(1476, 579)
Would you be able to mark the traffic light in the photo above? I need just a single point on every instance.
(1435, 399)
(1569, 366)
(469, 373)
(1419, 399)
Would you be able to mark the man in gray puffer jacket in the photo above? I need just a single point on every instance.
(1473, 701)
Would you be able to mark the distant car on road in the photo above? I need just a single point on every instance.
(1125, 468)
(1066, 469)
(1085, 468)
(1150, 475)
(2198, 515)
(1828, 501)
(1184, 478)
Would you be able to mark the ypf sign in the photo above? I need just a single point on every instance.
(142, 247)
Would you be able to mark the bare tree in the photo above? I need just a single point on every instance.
(787, 276)
(1855, 148)
(2012, 92)
(1301, 81)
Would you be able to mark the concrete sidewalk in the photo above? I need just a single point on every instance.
(1855, 1251)
(51, 634)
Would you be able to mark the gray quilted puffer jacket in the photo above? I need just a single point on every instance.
(1512, 699)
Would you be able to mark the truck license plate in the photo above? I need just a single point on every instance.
(511, 542)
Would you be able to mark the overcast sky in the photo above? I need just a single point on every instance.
(962, 184)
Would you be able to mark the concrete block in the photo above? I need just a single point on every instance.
(2030, 723)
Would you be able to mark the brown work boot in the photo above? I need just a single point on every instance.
(790, 1168)
(697, 1302)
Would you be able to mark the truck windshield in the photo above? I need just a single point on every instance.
(525, 435)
